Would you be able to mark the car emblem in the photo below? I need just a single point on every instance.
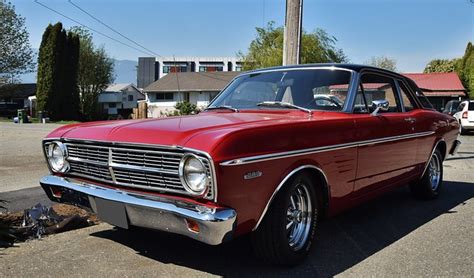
(252, 175)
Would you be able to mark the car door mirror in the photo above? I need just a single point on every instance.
(379, 105)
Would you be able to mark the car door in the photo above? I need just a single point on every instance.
(386, 149)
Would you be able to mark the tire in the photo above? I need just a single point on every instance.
(272, 242)
(429, 186)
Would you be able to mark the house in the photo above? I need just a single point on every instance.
(439, 88)
(118, 100)
(17, 96)
(198, 88)
(151, 69)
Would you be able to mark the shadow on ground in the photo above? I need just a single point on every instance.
(342, 241)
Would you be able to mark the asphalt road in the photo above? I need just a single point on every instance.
(21, 159)
(394, 235)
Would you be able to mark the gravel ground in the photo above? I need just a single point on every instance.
(21, 159)
(394, 235)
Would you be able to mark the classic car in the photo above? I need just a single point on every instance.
(270, 156)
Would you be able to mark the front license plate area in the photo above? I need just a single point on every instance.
(112, 212)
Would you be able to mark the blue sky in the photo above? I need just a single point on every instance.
(411, 31)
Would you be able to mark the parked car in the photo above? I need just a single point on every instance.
(252, 163)
(465, 116)
(451, 107)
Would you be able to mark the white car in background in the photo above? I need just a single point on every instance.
(465, 116)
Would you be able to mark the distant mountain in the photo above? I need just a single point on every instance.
(125, 72)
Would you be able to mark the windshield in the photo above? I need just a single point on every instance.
(318, 89)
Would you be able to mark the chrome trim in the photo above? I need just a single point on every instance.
(216, 225)
(277, 189)
(143, 169)
(265, 157)
(144, 145)
(431, 155)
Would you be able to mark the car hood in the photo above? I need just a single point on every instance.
(173, 130)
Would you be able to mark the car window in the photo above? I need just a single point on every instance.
(408, 102)
(320, 89)
(461, 106)
(360, 106)
(378, 87)
(471, 106)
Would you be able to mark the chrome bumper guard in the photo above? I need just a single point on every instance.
(455, 147)
(216, 225)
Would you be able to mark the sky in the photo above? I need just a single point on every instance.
(413, 32)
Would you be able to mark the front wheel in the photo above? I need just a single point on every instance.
(429, 185)
(286, 233)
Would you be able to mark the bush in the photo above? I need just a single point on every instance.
(186, 108)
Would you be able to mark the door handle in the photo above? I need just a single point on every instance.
(410, 120)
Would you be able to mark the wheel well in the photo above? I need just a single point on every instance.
(442, 148)
(322, 187)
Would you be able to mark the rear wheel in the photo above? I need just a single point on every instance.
(429, 185)
(286, 233)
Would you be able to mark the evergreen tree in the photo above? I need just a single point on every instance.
(57, 90)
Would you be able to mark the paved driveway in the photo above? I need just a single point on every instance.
(394, 235)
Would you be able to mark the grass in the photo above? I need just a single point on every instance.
(36, 121)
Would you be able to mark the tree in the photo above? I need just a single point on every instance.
(442, 65)
(383, 62)
(467, 69)
(95, 73)
(16, 55)
(56, 90)
(266, 49)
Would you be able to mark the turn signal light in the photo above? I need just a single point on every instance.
(57, 193)
(464, 115)
(193, 226)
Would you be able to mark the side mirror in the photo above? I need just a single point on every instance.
(379, 105)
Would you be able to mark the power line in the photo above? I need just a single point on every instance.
(85, 26)
(112, 29)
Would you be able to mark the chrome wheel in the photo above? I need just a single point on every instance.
(434, 169)
(299, 217)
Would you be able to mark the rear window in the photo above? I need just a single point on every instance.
(471, 106)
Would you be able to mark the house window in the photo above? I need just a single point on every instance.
(130, 97)
(210, 68)
(164, 96)
(238, 68)
(112, 105)
(168, 69)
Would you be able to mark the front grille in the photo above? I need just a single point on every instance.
(130, 166)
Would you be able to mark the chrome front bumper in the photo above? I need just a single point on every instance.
(216, 225)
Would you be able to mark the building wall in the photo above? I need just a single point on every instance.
(158, 107)
(150, 69)
(112, 102)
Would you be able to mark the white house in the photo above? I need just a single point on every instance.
(118, 100)
(198, 88)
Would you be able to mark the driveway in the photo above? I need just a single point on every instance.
(394, 235)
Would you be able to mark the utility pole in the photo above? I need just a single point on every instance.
(292, 33)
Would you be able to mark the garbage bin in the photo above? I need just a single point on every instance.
(22, 116)
(40, 116)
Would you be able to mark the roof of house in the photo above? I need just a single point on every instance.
(438, 84)
(119, 87)
(192, 81)
(17, 90)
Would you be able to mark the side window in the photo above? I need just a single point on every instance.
(408, 102)
(360, 106)
(378, 87)
(461, 106)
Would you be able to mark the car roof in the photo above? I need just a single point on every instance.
(354, 67)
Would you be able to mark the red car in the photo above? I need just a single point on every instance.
(273, 153)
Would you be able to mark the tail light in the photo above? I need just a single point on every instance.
(464, 115)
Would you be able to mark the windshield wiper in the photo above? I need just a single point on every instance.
(284, 104)
(222, 107)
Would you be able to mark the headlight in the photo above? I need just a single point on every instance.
(193, 174)
(56, 154)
